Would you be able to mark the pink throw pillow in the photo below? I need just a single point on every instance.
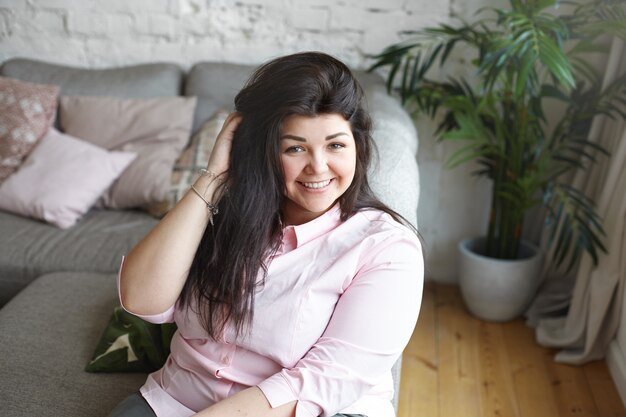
(27, 110)
(61, 179)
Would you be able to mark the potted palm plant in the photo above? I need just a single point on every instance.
(527, 58)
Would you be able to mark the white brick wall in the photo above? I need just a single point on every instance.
(115, 32)
(94, 25)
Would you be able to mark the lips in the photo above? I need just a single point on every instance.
(315, 185)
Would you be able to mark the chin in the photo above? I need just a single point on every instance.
(319, 207)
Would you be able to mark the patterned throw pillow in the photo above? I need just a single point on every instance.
(130, 344)
(191, 160)
(27, 110)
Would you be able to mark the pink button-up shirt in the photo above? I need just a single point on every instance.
(339, 304)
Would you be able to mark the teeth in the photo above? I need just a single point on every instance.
(320, 184)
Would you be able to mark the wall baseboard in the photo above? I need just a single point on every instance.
(616, 361)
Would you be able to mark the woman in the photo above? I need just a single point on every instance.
(294, 289)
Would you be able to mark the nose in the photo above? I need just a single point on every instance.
(317, 162)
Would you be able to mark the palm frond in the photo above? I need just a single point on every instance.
(575, 226)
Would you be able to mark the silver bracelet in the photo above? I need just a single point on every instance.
(206, 173)
(212, 207)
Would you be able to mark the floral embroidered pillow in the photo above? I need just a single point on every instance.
(27, 111)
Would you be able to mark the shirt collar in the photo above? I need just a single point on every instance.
(317, 227)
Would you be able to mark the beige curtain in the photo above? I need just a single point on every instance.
(580, 312)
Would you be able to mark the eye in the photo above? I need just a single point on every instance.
(294, 149)
(336, 146)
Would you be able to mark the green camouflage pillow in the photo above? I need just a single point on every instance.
(130, 344)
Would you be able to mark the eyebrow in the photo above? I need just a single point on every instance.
(301, 139)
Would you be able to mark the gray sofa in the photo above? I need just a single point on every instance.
(57, 287)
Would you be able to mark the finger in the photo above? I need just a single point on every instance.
(218, 160)
(230, 125)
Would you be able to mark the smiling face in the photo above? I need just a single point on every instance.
(318, 156)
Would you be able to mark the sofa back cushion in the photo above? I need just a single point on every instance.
(215, 85)
(137, 81)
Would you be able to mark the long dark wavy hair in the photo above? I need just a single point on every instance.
(231, 260)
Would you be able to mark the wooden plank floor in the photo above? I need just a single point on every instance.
(459, 366)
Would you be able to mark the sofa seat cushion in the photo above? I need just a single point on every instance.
(97, 243)
(47, 335)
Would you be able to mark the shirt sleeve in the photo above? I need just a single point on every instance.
(370, 327)
(166, 317)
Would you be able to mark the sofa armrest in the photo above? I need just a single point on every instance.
(394, 174)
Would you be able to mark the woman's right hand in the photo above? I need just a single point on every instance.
(220, 156)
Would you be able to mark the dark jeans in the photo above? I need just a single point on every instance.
(136, 406)
(133, 406)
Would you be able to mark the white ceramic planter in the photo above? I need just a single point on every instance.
(498, 289)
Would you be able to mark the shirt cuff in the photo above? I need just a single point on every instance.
(277, 391)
